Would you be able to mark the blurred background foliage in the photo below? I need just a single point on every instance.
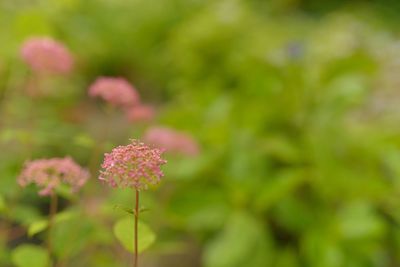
(295, 105)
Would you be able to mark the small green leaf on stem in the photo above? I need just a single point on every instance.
(127, 210)
(124, 231)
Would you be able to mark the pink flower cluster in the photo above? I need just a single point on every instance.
(172, 141)
(120, 93)
(117, 91)
(135, 165)
(47, 174)
(140, 112)
(46, 55)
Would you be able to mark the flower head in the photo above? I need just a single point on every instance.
(172, 140)
(140, 113)
(135, 165)
(47, 55)
(117, 91)
(48, 174)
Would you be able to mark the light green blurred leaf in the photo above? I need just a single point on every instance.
(25, 214)
(73, 236)
(124, 231)
(37, 227)
(321, 250)
(30, 256)
(199, 208)
(281, 148)
(278, 187)
(358, 220)
(243, 242)
(10, 134)
(186, 168)
(31, 21)
(41, 225)
(84, 140)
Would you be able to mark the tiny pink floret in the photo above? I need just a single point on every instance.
(172, 140)
(48, 174)
(116, 91)
(135, 165)
(45, 55)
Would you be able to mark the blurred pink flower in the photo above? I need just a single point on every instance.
(47, 174)
(135, 165)
(117, 91)
(140, 113)
(172, 140)
(44, 54)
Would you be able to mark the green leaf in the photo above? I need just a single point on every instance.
(278, 188)
(124, 231)
(41, 225)
(199, 208)
(125, 209)
(25, 214)
(321, 249)
(72, 237)
(30, 256)
(358, 220)
(37, 227)
(243, 242)
(84, 140)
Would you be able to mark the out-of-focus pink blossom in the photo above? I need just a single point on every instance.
(135, 165)
(172, 140)
(117, 91)
(47, 174)
(140, 113)
(46, 55)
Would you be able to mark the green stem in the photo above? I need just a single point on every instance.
(52, 212)
(135, 264)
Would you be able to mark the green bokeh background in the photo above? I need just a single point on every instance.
(295, 105)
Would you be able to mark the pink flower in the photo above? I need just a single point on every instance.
(135, 165)
(117, 91)
(140, 113)
(47, 174)
(47, 55)
(172, 141)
